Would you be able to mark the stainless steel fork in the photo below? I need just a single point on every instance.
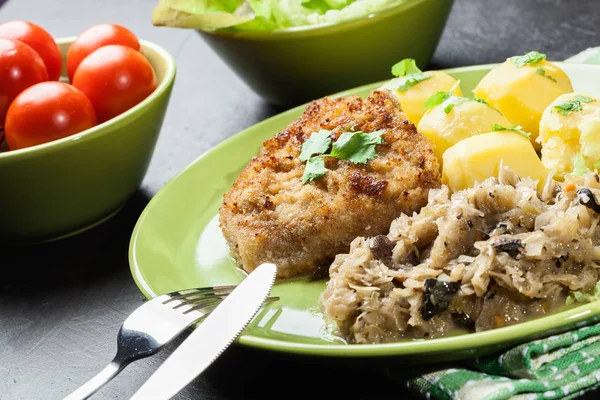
(151, 326)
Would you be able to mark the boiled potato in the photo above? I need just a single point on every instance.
(465, 119)
(522, 93)
(570, 125)
(478, 157)
(412, 99)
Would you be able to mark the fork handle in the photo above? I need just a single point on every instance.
(103, 377)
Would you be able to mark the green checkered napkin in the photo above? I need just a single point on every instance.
(559, 367)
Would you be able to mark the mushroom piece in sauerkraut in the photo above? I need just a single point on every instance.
(481, 258)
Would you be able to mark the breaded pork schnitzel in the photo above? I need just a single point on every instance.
(269, 215)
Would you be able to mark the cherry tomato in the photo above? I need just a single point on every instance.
(95, 37)
(45, 112)
(39, 40)
(114, 78)
(20, 67)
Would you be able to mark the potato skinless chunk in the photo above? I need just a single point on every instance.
(564, 136)
(479, 157)
(523, 93)
(464, 120)
(412, 99)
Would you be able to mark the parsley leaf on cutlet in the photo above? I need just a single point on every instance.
(314, 169)
(357, 147)
(318, 143)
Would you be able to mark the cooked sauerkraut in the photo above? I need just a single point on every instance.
(481, 258)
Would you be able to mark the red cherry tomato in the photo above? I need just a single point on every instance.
(20, 67)
(45, 112)
(114, 78)
(39, 40)
(95, 37)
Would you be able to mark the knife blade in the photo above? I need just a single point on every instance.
(206, 343)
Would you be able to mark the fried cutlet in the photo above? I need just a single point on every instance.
(269, 215)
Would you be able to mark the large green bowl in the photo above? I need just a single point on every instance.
(58, 188)
(291, 66)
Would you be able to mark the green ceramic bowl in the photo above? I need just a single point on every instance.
(58, 188)
(291, 66)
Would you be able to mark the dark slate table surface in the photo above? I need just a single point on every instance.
(61, 304)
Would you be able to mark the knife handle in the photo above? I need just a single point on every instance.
(102, 378)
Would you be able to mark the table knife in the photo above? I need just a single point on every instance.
(211, 337)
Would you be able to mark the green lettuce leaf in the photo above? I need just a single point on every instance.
(203, 6)
(164, 15)
(260, 15)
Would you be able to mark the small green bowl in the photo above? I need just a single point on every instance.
(68, 185)
(292, 66)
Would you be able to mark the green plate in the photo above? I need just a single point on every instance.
(177, 244)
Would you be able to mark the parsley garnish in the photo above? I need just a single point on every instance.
(514, 128)
(597, 165)
(436, 99)
(445, 99)
(567, 107)
(453, 101)
(317, 143)
(407, 74)
(531, 58)
(314, 169)
(407, 82)
(405, 67)
(542, 72)
(579, 167)
(482, 101)
(356, 147)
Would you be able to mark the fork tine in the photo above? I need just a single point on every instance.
(198, 297)
(201, 300)
(271, 299)
(214, 303)
(206, 289)
(198, 292)
(209, 302)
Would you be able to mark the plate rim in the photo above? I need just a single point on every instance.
(539, 327)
